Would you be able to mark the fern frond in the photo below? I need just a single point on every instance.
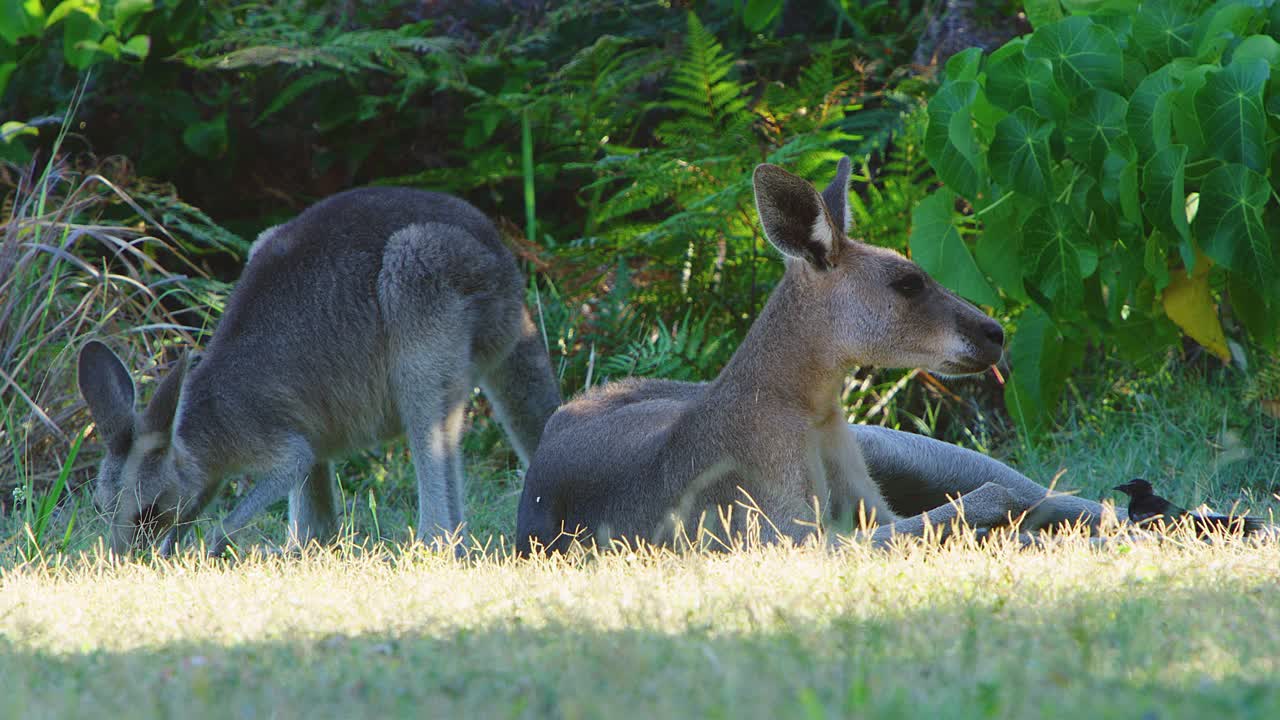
(596, 87)
(700, 86)
(191, 222)
(261, 35)
(682, 351)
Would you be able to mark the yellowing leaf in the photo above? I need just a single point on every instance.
(13, 129)
(1188, 304)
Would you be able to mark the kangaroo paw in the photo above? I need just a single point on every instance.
(989, 506)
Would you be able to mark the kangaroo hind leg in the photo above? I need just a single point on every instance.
(431, 390)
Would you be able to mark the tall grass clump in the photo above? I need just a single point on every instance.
(80, 256)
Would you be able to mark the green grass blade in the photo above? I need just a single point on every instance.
(526, 157)
(50, 500)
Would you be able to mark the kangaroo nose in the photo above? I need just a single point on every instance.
(994, 333)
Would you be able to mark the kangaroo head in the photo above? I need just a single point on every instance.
(139, 486)
(871, 304)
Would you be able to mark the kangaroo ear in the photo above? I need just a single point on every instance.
(164, 404)
(108, 390)
(836, 196)
(794, 217)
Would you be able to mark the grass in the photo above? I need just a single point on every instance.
(1195, 435)
(1166, 629)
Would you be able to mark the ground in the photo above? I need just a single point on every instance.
(1133, 630)
(1129, 629)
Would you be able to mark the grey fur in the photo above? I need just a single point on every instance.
(836, 194)
(918, 473)
(374, 312)
(647, 459)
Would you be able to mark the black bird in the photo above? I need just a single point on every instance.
(1146, 507)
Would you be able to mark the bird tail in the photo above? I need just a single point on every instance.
(1253, 525)
(1244, 524)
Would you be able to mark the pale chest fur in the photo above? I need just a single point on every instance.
(838, 475)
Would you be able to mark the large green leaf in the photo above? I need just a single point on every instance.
(137, 47)
(126, 10)
(1057, 251)
(1084, 54)
(985, 116)
(1229, 223)
(1164, 194)
(996, 250)
(1263, 47)
(1043, 12)
(1019, 154)
(1081, 185)
(964, 65)
(1119, 7)
(1186, 121)
(80, 35)
(6, 69)
(64, 9)
(1163, 30)
(1254, 310)
(1013, 81)
(1217, 27)
(1121, 27)
(937, 247)
(1040, 359)
(1093, 130)
(1155, 260)
(1230, 110)
(950, 142)
(1119, 186)
(757, 14)
(1119, 276)
(1149, 117)
(1102, 210)
(20, 18)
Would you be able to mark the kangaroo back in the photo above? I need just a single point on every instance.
(327, 298)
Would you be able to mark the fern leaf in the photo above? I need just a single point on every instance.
(700, 84)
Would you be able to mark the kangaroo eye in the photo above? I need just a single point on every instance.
(908, 285)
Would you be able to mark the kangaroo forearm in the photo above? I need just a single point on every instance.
(917, 473)
(523, 390)
(988, 506)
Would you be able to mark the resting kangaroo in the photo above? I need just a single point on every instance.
(371, 314)
(639, 459)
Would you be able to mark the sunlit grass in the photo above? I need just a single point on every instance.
(1174, 628)
(1181, 629)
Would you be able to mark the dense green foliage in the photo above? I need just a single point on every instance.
(1108, 161)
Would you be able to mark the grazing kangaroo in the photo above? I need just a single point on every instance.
(645, 459)
(373, 313)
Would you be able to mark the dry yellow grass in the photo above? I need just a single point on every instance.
(1178, 629)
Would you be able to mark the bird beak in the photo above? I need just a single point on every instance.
(1122, 488)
